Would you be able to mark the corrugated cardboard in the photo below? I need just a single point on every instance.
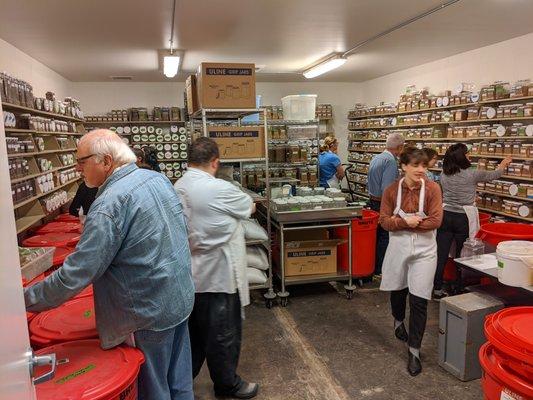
(239, 143)
(306, 234)
(192, 94)
(311, 257)
(226, 85)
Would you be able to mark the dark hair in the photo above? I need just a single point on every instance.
(455, 159)
(430, 153)
(139, 154)
(202, 151)
(413, 155)
(150, 158)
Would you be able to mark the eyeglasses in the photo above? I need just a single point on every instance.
(82, 160)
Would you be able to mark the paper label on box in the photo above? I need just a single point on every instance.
(233, 134)
(310, 253)
(228, 71)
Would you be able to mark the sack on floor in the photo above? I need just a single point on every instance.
(254, 231)
(255, 276)
(256, 257)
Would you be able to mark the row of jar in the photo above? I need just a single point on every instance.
(304, 191)
(509, 188)
(54, 201)
(358, 188)
(464, 94)
(18, 168)
(28, 121)
(458, 115)
(16, 91)
(503, 148)
(517, 208)
(20, 144)
(299, 203)
(419, 133)
(157, 138)
(523, 169)
(254, 177)
(292, 152)
(22, 191)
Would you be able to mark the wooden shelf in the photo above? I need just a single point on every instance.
(36, 153)
(27, 222)
(31, 199)
(429, 124)
(29, 132)
(448, 139)
(365, 151)
(111, 123)
(42, 173)
(464, 105)
(360, 162)
(361, 194)
(520, 178)
(527, 219)
(507, 196)
(497, 157)
(171, 159)
(15, 107)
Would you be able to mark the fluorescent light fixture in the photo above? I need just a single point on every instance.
(325, 66)
(171, 65)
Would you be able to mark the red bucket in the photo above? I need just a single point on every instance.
(67, 218)
(363, 245)
(59, 227)
(495, 233)
(73, 320)
(52, 240)
(484, 218)
(498, 380)
(91, 373)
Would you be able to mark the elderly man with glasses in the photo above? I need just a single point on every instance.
(134, 250)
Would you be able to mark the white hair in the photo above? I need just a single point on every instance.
(104, 142)
(395, 140)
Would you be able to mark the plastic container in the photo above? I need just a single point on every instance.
(515, 262)
(339, 202)
(498, 381)
(319, 191)
(59, 227)
(91, 373)
(494, 233)
(37, 266)
(363, 245)
(301, 107)
(73, 320)
(53, 240)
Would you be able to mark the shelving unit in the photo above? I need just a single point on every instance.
(199, 122)
(30, 212)
(387, 122)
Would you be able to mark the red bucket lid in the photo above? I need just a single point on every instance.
(60, 253)
(511, 331)
(67, 218)
(30, 316)
(89, 372)
(87, 292)
(52, 240)
(58, 227)
(73, 320)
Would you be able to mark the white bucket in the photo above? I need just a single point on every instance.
(515, 262)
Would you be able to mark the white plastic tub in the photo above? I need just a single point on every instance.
(299, 107)
(515, 262)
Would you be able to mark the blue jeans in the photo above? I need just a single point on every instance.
(382, 240)
(166, 373)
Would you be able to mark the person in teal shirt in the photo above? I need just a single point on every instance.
(432, 156)
(330, 169)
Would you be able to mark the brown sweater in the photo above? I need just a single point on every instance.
(432, 207)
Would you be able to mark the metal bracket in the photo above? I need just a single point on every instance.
(39, 361)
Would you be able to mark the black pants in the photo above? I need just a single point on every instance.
(454, 228)
(215, 329)
(417, 314)
(382, 240)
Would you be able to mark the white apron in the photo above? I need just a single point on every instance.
(411, 257)
(472, 213)
(235, 253)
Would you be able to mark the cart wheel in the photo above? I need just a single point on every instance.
(360, 282)
(284, 301)
(269, 303)
(349, 294)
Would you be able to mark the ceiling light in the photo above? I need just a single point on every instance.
(171, 65)
(325, 66)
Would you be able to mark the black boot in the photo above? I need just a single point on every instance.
(401, 333)
(246, 391)
(414, 365)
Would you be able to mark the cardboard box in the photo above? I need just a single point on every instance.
(226, 85)
(239, 143)
(311, 257)
(307, 234)
(192, 94)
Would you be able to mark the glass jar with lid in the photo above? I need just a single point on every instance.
(339, 202)
(293, 204)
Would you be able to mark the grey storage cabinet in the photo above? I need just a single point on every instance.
(461, 333)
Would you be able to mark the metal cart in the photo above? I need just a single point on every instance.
(313, 219)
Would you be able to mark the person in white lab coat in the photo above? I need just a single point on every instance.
(411, 210)
(214, 209)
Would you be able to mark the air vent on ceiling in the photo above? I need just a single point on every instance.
(122, 78)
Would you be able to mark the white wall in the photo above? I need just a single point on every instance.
(22, 66)
(510, 60)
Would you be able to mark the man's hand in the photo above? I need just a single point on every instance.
(413, 221)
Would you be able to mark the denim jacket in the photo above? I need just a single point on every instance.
(135, 251)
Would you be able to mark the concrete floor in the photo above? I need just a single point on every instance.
(324, 347)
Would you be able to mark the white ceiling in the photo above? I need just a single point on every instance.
(92, 40)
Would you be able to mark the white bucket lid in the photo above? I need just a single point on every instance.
(516, 250)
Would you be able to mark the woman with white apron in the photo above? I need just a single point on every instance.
(461, 218)
(411, 210)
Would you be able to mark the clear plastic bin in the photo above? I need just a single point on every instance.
(38, 265)
(301, 107)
